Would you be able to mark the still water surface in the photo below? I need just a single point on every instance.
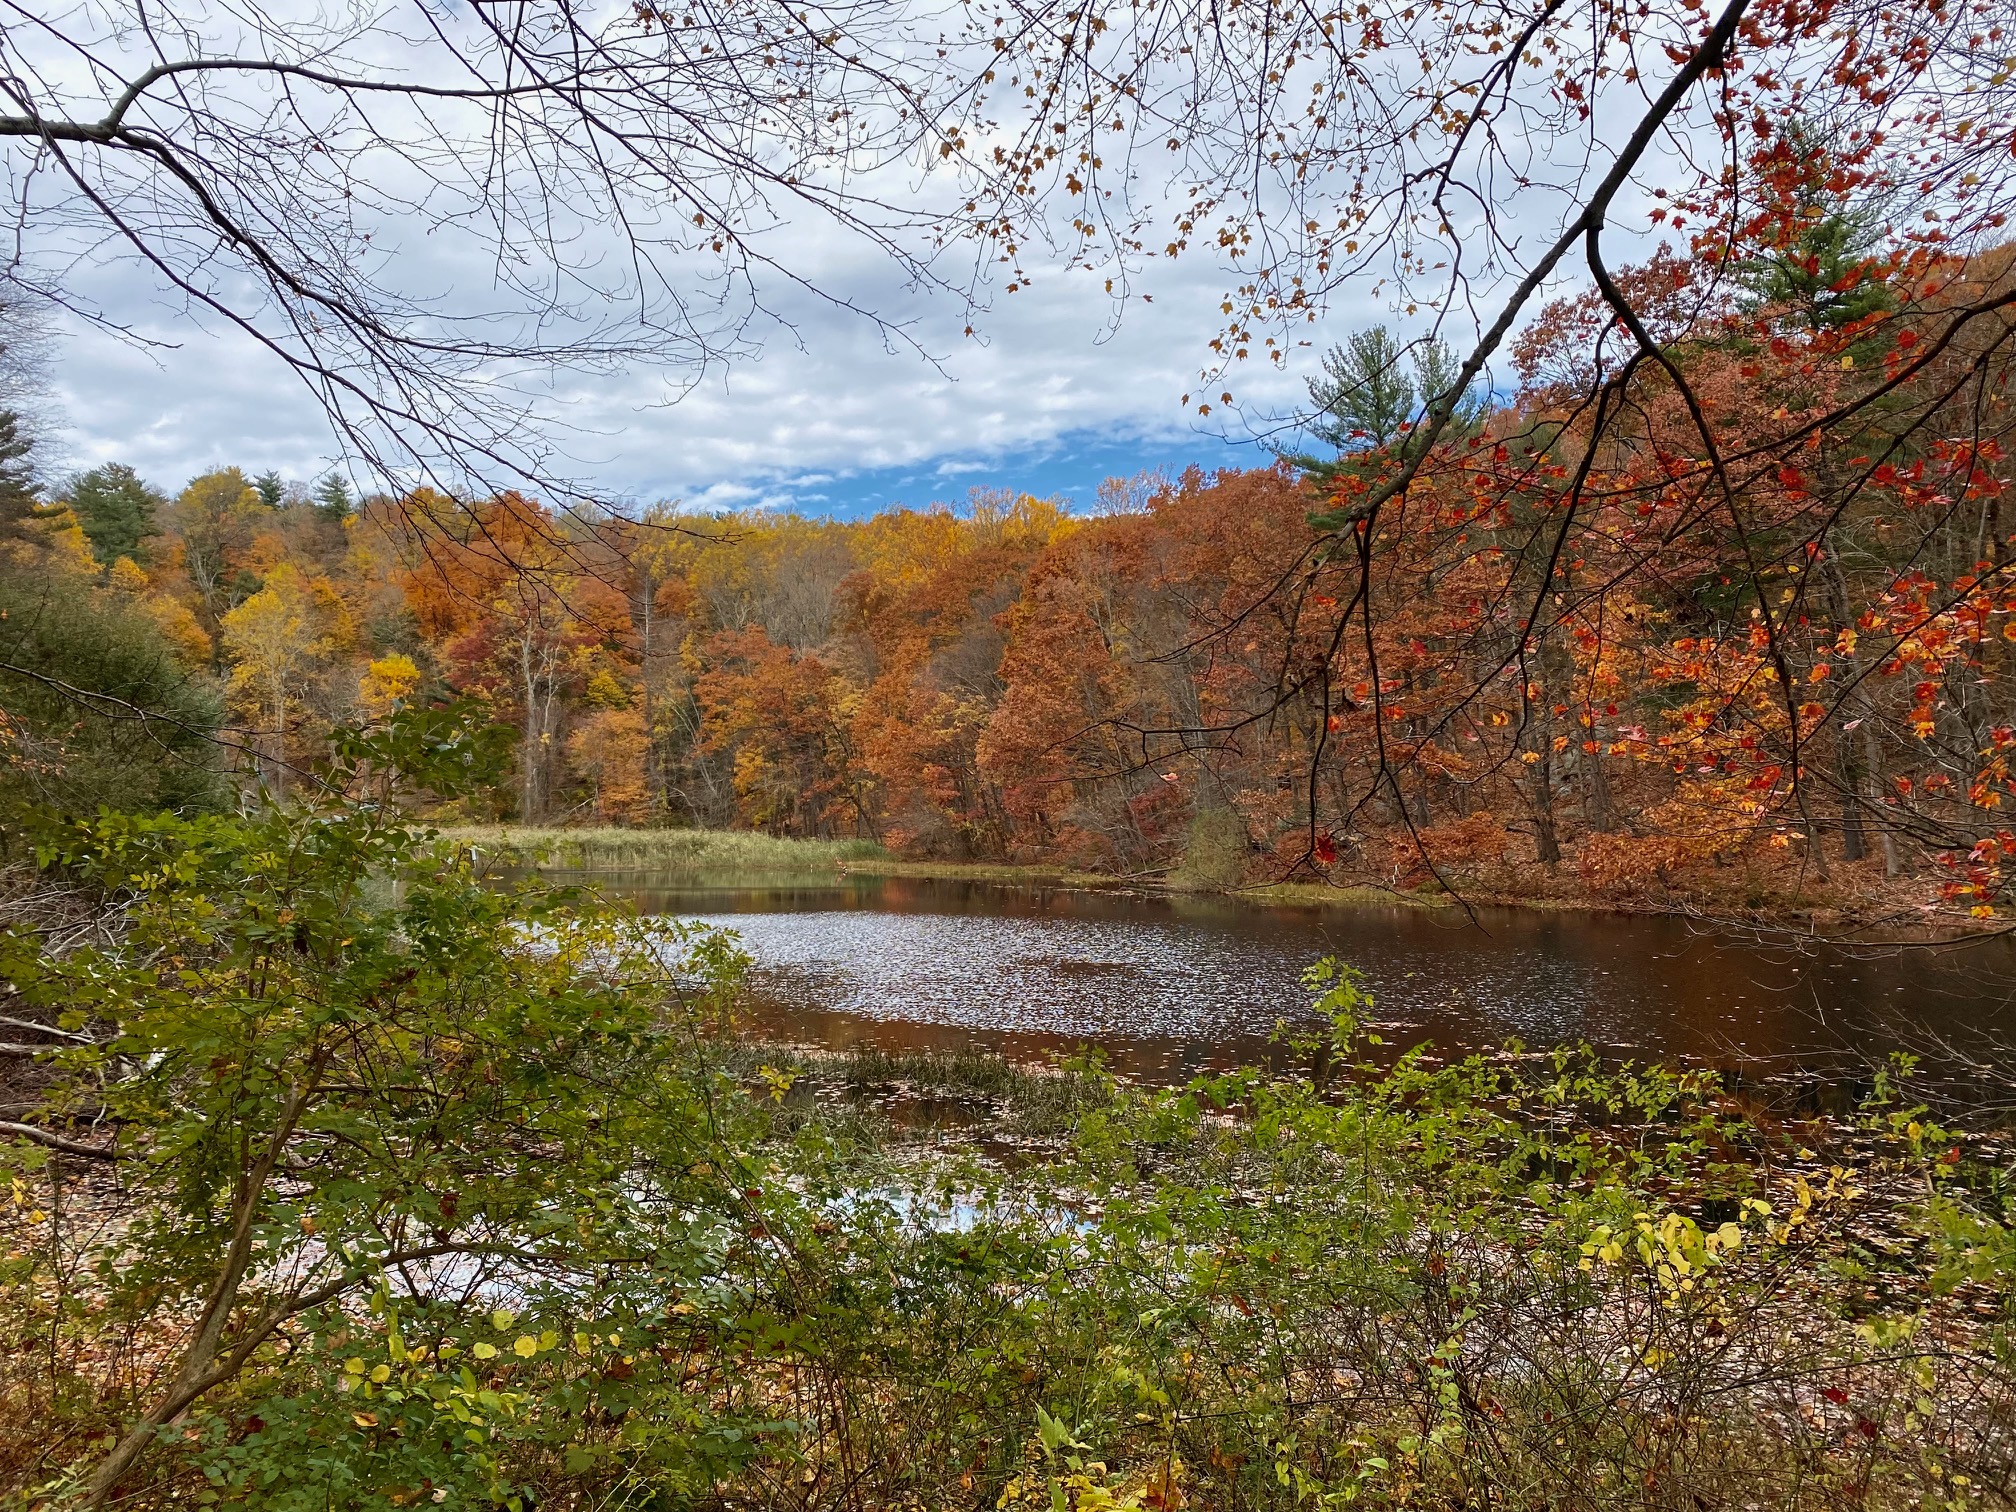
(1169, 986)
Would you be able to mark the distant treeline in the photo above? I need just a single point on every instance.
(1545, 653)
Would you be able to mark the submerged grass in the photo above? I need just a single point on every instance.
(747, 853)
(1324, 895)
(997, 1095)
(738, 852)
(1021, 1100)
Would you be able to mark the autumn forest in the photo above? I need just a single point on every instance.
(1749, 645)
(1051, 1034)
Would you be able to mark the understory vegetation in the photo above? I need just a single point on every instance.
(340, 1176)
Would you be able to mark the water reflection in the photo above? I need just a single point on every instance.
(1174, 985)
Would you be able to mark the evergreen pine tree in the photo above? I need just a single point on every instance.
(1362, 396)
(272, 488)
(116, 509)
(1822, 279)
(1828, 273)
(1364, 399)
(332, 497)
(18, 503)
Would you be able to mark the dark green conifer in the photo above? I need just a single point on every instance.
(116, 509)
(332, 497)
(18, 503)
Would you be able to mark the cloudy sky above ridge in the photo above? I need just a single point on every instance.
(831, 415)
(828, 412)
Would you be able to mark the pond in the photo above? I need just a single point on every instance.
(1171, 985)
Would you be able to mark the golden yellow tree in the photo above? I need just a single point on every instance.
(277, 640)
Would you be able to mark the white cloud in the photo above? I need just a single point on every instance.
(828, 397)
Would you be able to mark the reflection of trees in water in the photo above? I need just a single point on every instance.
(1167, 995)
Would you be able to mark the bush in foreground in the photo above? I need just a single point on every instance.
(361, 1183)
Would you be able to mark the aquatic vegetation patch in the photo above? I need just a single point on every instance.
(728, 853)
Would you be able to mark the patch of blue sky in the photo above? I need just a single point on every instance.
(1070, 467)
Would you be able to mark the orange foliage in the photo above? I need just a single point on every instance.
(1586, 654)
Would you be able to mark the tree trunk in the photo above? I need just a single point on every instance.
(654, 776)
(1865, 797)
(1872, 780)
(1601, 811)
(1816, 850)
(532, 756)
(278, 758)
(198, 1371)
(1854, 845)
(1547, 839)
(1539, 722)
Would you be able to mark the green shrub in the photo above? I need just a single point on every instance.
(1216, 852)
(440, 1194)
(95, 710)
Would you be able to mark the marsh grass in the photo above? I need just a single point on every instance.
(999, 1095)
(719, 852)
(746, 853)
(985, 871)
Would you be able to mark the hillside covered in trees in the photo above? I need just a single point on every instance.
(1752, 644)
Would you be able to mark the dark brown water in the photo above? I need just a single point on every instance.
(1169, 986)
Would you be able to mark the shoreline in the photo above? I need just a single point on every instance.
(758, 859)
(1828, 923)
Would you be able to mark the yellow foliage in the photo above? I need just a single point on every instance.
(222, 495)
(180, 626)
(127, 576)
(55, 546)
(70, 551)
(605, 692)
(176, 622)
(387, 683)
(277, 631)
(277, 640)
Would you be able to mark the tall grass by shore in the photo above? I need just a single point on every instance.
(668, 850)
(745, 852)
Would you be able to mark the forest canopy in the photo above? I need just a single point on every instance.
(1594, 639)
